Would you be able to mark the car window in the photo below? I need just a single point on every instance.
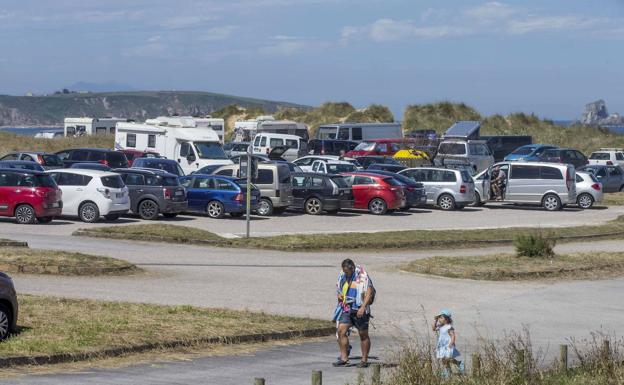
(356, 133)
(392, 182)
(10, 157)
(221, 184)
(27, 158)
(362, 180)
(340, 168)
(550, 173)
(316, 181)
(340, 181)
(113, 181)
(187, 182)
(449, 176)
(51, 160)
(70, 179)
(116, 157)
(8, 179)
(466, 178)
(579, 179)
(304, 162)
(524, 151)
(343, 133)
(292, 143)
(315, 166)
(551, 154)
(80, 155)
(134, 179)
(256, 141)
(615, 171)
(382, 147)
(394, 147)
(44, 181)
(599, 156)
(524, 172)
(226, 172)
(601, 172)
(452, 149)
(275, 142)
(479, 149)
(263, 141)
(283, 173)
(619, 156)
(265, 176)
(203, 183)
(579, 155)
(299, 181)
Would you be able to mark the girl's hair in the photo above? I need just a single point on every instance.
(448, 319)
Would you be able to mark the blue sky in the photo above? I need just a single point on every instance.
(547, 57)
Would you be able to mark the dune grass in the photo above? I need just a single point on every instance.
(13, 142)
(613, 199)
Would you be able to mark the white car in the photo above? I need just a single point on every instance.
(89, 194)
(607, 157)
(330, 166)
(588, 190)
(305, 162)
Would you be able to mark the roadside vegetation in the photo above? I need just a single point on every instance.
(408, 239)
(613, 199)
(86, 329)
(29, 261)
(13, 142)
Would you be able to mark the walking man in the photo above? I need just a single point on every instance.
(355, 293)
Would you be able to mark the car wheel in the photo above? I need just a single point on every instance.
(459, 207)
(111, 217)
(236, 215)
(215, 209)
(170, 215)
(5, 322)
(89, 212)
(378, 206)
(585, 201)
(446, 202)
(45, 219)
(148, 210)
(478, 202)
(551, 202)
(313, 206)
(265, 207)
(25, 215)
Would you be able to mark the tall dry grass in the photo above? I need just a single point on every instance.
(13, 142)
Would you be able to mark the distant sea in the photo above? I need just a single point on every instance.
(568, 123)
(30, 131)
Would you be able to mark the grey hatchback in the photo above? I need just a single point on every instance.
(8, 306)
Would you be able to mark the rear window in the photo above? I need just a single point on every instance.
(392, 182)
(452, 149)
(116, 158)
(600, 156)
(44, 181)
(340, 168)
(113, 181)
(466, 178)
(52, 160)
(170, 181)
(340, 181)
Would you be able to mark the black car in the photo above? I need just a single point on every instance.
(315, 193)
(168, 165)
(386, 167)
(564, 155)
(8, 306)
(367, 160)
(153, 192)
(330, 146)
(22, 165)
(111, 158)
(415, 194)
(91, 166)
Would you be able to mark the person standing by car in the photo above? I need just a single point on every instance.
(355, 293)
(498, 183)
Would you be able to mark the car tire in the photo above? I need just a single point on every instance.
(45, 219)
(111, 217)
(446, 202)
(405, 209)
(551, 202)
(478, 202)
(88, 212)
(378, 206)
(265, 207)
(5, 322)
(459, 207)
(236, 215)
(215, 209)
(25, 215)
(585, 201)
(332, 212)
(148, 210)
(313, 206)
(170, 215)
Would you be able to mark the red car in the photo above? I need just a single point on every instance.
(386, 147)
(375, 193)
(29, 196)
(134, 154)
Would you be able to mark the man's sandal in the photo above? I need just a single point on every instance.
(340, 362)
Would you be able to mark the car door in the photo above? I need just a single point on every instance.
(602, 175)
(615, 178)
(300, 185)
(192, 195)
(73, 188)
(8, 182)
(523, 183)
(362, 186)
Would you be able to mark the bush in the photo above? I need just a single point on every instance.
(534, 245)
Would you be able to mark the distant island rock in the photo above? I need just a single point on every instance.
(596, 114)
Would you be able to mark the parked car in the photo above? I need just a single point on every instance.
(378, 194)
(565, 156)
(503, 145)
(8, 307)
(317, 193)
(611, 177)
(415, 194)
(29, 196)
(293, 167)
(331, 146)
(387, 147)
(273, 181)
(449, 189)
(386, 167)
(588, 190)
(236, 148)
(607, 157)
(111, 158)
(258, 157)
(47, 160)
(529, 152)
(366, 161)
(295, 146)
(331, 166)
(305, 162)
(22, 165)
(551, 185)
(131, 155)
(217, 195)
(91, 166)
(89, 194)
(169, 165)
(475, 152)
(153, 192)
(207, 170)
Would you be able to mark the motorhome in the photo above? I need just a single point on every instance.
(360, 131)
(90, 126)
(192, 147)
(245, 130)
(285, 127)
(215, 124)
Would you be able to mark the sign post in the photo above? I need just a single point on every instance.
(248, 189)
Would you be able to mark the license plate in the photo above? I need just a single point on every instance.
(179, 193)
(55, 205)
(119, 195)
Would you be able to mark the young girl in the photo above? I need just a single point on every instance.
(446, 351)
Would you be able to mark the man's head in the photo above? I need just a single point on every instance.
(348, 266)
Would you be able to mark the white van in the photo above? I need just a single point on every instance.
(192, 148)
(551, 185)
(473, 152)
(264, 143)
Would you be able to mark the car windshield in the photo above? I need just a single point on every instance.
(365, 146)
(340, 182)
(210, 150)
(44, 181)
(523, 151)
(600, 156)
(452, 149)
(338, 168)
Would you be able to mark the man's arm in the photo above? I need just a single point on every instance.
(367, 299)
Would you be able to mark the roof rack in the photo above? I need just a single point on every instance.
(610, 149)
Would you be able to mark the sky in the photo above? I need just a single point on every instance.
(535, 56)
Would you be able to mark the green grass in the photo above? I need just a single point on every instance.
(13, 142)
(613, 199)
(25, 260)
(409, 239)
(509, 267)
(54, 325)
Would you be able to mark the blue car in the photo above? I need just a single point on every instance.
(218, 195)
(528, 153)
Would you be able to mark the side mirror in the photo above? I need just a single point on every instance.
(191, 158)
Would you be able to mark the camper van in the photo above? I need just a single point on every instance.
(285, 127)
(265, 143)
(360, 131)
(90, 126)
(215, 124)
(192, 147)
(245, 130)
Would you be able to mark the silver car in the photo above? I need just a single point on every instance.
(588, 190)
(474, 152)
(448, 189)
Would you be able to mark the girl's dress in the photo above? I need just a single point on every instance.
(444, 339)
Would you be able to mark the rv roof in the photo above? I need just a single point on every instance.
(463, 129)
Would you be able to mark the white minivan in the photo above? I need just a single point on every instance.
(264, 143)
(89, 194)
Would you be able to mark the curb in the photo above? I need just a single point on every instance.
(17, 268)
(9, 243)
(94, 234)
(113, 352)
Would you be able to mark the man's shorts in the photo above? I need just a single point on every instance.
(351, 318)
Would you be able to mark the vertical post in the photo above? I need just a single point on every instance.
(563, 358)
(606, 349)
(259, 381)
(476, 365)
(248, 219)
(317, 377)
(376, 380)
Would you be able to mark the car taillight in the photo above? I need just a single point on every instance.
(609, 163)
(239, 197)
(40, 159)
(104, 162)
(42, 193)
(596, 186)
(462, 189)
(167, 193)
(106, 192)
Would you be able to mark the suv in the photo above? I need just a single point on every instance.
(273, 180)
(88, 194)
(168, 165)
(111, 158)
(315, 193)
(607, 157)
(475, 152)
(8, 306)
(153, 192)
(449, 189)
(29, 196)
(48, 161)
(565, 156)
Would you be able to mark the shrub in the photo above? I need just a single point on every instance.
(534, 245)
